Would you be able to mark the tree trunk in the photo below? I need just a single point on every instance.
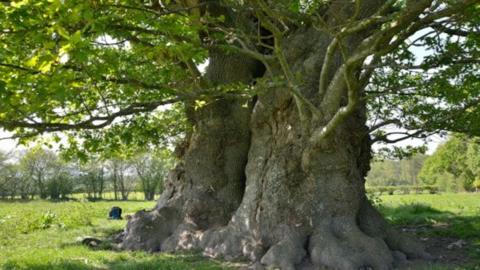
(115, 179)
(303, 204)
(207, 186)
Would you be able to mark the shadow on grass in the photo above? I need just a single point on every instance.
(153, 261)
(426, 221)
(414, 214)
(433, 221)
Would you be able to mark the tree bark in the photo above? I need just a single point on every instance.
(207, 185)
(303, 204)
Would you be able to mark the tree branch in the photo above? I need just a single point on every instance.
(90, 122)
(384, 138)
(384, 123)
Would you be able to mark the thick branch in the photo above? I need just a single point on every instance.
(384, 123)
(90, 122)
(397, 31)
(452, 31)
(384, 138)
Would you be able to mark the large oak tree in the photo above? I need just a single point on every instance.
(276, 142)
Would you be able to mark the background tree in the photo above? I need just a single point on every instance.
(411, 167)
(13, 179)
(37, 164)
(121, 174)
(276, 142)
(3, 178)
(394, 172)
(152, 169)
(25, 185)
(458, 157)
(9, 181)
(93, 177)
(60, 184)
(473, 161)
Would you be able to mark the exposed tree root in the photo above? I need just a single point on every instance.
(373, 224)
(337, 243)
(342, 245)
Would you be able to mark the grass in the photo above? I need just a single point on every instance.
(455, 216)
(43, 235)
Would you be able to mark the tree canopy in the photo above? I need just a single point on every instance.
(79, 66)
(459, 158)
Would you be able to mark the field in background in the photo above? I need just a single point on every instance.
(132, 196)
(42, 235)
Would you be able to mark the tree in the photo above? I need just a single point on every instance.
(122, 178)
(385, 173)
(390, 172)
(411, 167)
(42, 172)
(26, 187)
(60, 184)
(152, 169)
(92, 175)
(9, 181)
(276, 143)
(37, 164)
(473, 161)
(458, 157)
(13, 180)
(3, 178)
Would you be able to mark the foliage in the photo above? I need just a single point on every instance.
(432, 91)
(96, 57)
(131, 68)
(388, 172)
(152, 169)
(42, 173)
(458, 157)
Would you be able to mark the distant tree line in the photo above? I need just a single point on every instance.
(396, 172)
(42, 173)
(453, 167)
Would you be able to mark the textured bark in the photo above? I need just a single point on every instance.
(303, 204)
(207, 186)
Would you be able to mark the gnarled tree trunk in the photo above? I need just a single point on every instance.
(207, 186)
(290, 203)
(305, 204)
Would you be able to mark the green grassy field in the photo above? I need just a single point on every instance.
(441, 218)
(43, 235)
(456, 215)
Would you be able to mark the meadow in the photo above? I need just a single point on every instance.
(42, 235)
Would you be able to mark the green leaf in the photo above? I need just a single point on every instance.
(2, 86)
(45, 67)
